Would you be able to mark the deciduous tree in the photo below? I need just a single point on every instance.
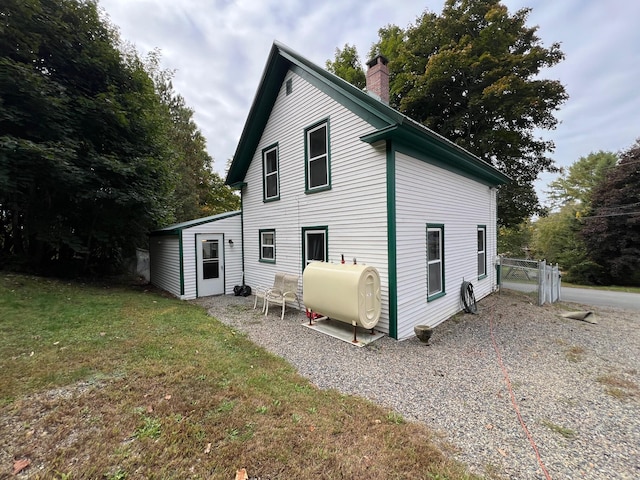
(198, 191)
(472, 74)
(577, 183)
(612, 229)
(347, 66)
(83, 161)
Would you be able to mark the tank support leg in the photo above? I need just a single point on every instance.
(355, 338)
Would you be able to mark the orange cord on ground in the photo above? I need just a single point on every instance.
(513, 397)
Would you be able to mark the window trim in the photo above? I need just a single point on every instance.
(265, 151)
(307, 160)
(325, 230)
(483, 229)
(440, 228)
(261, 245)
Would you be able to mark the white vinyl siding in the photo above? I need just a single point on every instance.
(164, 257)
(353, 210)
(426, 194)
(230, 229)
(164, 262)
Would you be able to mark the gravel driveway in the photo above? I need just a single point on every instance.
(576, 384)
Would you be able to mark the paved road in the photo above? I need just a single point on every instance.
(601, 298)
(588, 296)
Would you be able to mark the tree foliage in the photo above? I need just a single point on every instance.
(347, 66)
(515, 241)
(87, 160)
(577, 183)
(472, 74)
(81, 166)
(557, 237)
(612, 230)
(197, 190)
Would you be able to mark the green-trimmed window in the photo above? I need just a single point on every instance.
(314, 244)
(317, 157)
(435, 261)
(482, 251)
(268, 246)
(270, 175)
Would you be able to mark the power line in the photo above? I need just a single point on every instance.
(612, 215)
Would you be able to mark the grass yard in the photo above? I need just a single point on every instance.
(121, 382)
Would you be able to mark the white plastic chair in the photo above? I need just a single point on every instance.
(289, 293)
(262, 292)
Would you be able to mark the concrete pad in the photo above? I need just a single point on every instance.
(344, 331)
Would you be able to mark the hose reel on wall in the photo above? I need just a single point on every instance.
(468, 298)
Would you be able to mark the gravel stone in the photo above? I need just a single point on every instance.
(576, 384)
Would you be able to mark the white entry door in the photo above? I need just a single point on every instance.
(210, 261)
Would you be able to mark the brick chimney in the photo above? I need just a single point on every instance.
(378, 78)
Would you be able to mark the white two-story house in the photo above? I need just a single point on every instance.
(326, 170)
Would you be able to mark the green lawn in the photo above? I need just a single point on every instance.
(122, 382)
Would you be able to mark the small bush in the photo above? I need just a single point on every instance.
(587, 273)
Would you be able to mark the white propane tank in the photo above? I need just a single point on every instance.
(348, 293)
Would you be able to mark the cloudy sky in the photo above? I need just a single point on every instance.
(218, 49)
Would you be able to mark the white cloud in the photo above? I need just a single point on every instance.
(219, 50)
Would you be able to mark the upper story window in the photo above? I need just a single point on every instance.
(317, 157)
(270, 175)
(482, 251)
(435, 261)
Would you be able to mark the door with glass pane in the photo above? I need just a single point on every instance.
(210, 261)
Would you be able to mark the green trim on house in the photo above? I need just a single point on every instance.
(260, 232)
(326, 187)
(242, 226)
(392, 241)
(195, 252)
(435, 296)
(176, 228)
(423, 144)
(361, 108)
(181, 253)
(390, 123)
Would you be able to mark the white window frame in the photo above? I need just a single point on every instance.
(306, 231)
(432, 295)
(325, 156)
(482, 251)
(264, 234)
(266, 174)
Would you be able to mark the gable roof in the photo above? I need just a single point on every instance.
(388, 122)
(176, 228)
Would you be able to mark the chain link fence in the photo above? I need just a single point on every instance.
(530, 276)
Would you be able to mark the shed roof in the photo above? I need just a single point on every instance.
(389, 124)
(178, 227)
